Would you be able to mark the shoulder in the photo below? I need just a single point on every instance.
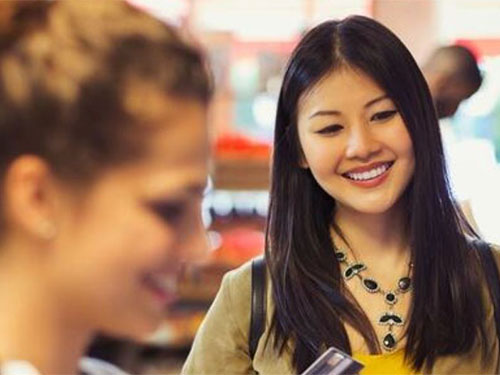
(231, 307)
(239, 279)
(496, 251)
(221, 343)
(235, 293)
(236, 288)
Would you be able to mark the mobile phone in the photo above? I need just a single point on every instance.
(334, 362)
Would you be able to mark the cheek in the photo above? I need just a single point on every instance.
(144, 239)
(124, 239)
(322, 156)
(403, 145)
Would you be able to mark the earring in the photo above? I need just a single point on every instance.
(47, 230)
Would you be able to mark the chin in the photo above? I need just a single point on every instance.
(370, 208)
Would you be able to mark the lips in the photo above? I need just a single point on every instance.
(163, 287)
(369, 172)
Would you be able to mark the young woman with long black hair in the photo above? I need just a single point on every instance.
(366, 248)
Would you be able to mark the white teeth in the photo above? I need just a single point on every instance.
(162, 282)
(370, 174)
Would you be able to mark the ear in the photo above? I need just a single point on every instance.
(30, 197)
(303, 161)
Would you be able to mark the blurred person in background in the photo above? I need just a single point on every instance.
(453, 75)
(103, 160)
(366, 249)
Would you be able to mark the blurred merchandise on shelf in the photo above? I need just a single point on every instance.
(238, 246)
(178, 330)
(241, 163)
(241, 147)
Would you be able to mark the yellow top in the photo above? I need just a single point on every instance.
(379, 364)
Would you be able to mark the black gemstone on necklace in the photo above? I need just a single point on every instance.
(389, 342)
(390, 298)
(358, 267)
(341, 257)
(404, 284)
(384, 319)
(397, 319)
(390, 319)
(353, 270)
(348, 273)
(370, 285)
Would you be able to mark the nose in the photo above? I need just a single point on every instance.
(361, 143)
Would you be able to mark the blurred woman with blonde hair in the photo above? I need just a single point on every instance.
(103, 160)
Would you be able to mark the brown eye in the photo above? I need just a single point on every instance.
(331, 129)
(384, 115)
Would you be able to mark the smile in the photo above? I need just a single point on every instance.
(370, 174)
(162, 287)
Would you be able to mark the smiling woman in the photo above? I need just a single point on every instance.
(356, 146)
(103, 160)
(366, 249)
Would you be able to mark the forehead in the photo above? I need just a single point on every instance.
(180, 134)
(177, 147)
(174, 162)
(339, 87)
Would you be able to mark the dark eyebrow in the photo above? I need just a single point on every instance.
(376, 100)
(325, 113)
(337, 113)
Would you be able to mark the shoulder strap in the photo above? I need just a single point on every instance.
(491, 273)
(258, 312)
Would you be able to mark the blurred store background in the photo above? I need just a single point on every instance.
(248, 43)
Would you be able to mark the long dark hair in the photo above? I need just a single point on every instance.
(311, 302)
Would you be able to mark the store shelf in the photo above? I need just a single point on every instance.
(241, 174)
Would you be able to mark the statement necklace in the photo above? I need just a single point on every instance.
(388, 318)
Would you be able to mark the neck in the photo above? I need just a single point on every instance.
(35, 327)
(373, 236)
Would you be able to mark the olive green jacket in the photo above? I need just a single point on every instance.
(221, 344)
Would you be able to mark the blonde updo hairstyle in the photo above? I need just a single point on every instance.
(80, 82)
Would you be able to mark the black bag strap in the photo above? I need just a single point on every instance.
(258, 312)
(492, 278)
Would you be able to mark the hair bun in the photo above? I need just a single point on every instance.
(7, 9)
(19, 17)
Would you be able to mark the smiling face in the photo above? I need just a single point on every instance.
(117, 253)
(355, 142)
